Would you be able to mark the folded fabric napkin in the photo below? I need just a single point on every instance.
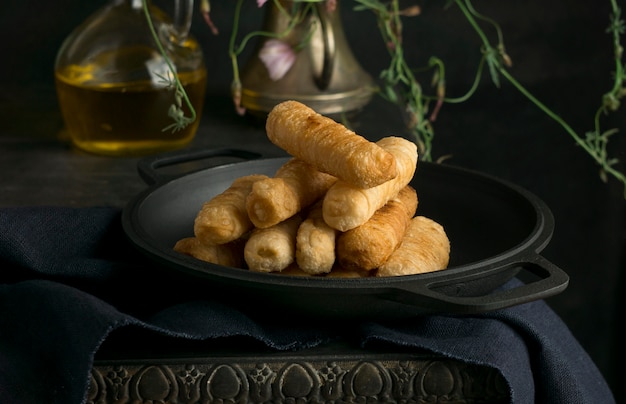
(69, 279)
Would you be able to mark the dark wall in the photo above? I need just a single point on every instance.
(561, 54)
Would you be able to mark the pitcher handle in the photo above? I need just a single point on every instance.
(323, 76)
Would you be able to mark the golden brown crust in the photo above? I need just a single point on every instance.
(294, 270)
(229, 254)
(368, 246)
(315, 243)
(295, 186)
(355, 194)
(344, 273)
(224, 218)
(329, 146)
(347, 206)
(274, 248)
(424, 248)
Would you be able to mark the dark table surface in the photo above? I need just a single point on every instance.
(41, 168)
(497, 132)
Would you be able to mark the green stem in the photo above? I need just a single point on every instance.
(469, 17)
(470, 92)
(546, 110)
(235, 50)
(178, 84)
(595, 147)
(231, 44)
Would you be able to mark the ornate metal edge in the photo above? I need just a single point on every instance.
(297, 379)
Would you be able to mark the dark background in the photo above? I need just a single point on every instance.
(561, 54)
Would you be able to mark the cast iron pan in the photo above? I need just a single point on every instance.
(496, 230)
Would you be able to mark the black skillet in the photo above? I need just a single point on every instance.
(496, 229)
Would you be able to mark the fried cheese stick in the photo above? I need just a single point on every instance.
(370, 245)
(328, 145)
(229, 254)
(295, 186)
(294, 270)
(224, 217)
(274, 248)
(343, 273)
(424, 248)
(347, 206)
(315, 243)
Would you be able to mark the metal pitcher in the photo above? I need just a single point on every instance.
(325, 76)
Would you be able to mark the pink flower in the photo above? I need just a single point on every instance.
(278, 57)
(260, 3)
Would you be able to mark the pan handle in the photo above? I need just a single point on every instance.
(552, 280)
(148, 166)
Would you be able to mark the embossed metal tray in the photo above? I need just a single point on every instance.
(340, 374)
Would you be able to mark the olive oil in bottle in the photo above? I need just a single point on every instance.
(115, 87)
(125, 118)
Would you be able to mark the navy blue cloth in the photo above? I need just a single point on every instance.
(69, 280)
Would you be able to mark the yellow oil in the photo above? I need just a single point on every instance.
(124, 118)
